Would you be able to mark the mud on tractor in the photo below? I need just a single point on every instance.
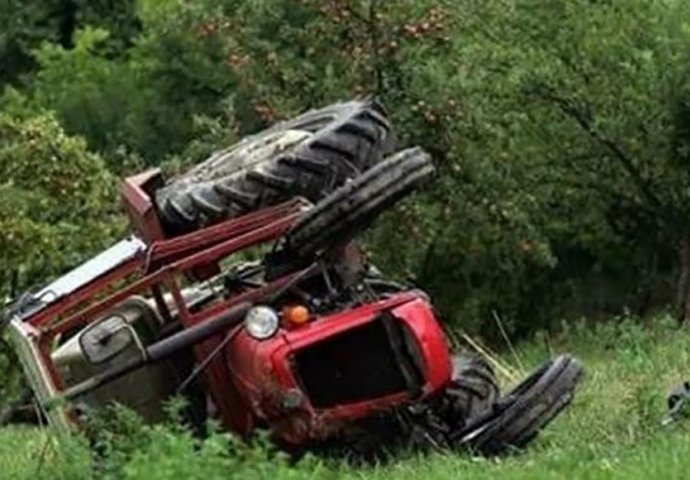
(242, 288)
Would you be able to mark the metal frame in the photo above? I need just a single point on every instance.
(252, 379)
(158, 267)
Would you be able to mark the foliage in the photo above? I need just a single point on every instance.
(57, 207)
(564, 158)
(58, 201)
(607, 122)
(144, 101)
(26, 453)
(559, 128)
(126, 448)
(24, 25)
(560, 133)
(531, 206)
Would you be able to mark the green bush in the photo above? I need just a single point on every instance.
(28, 453)
(122, 447)
(25, 25)
(59, 203)
(535, 214)
(143, 100)
(126, 448)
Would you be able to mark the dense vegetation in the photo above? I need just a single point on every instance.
(560, 130)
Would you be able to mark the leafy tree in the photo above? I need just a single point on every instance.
(144, 103)
(600, 91)
(24, 25)
(559, 128)
(58, 202)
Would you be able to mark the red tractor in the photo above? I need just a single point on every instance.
(243, 290)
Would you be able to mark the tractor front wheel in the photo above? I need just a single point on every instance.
(517, 418)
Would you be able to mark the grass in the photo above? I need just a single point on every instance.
(42, 454)
(612, 430)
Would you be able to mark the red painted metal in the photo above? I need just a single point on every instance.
(250, 381)
(197, 241)
(271, 227)
(172, 258)
(136, 194)
(419, 317)
(235, 413)
(45, 347)
(262, 370)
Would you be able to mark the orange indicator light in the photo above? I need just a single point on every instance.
(296, 314)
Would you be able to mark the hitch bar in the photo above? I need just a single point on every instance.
(162, 349)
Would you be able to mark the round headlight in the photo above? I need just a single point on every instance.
(261, 322)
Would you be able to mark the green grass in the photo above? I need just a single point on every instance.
(42, 454)
(612, 430)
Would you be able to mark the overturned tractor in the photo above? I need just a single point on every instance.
(244, 290)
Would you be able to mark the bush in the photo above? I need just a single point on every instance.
(129, 449)
(58, 202)
(144, 101)
(122, 447)
(27, 24)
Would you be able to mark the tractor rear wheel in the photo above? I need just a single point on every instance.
(307, 156)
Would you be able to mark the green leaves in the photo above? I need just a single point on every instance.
(57, 205)
(559, 129)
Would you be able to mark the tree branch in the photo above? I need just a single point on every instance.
(570, 109)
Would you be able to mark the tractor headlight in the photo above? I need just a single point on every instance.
(261, 322)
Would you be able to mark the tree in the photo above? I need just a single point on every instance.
(559, 129)
(143, 103)
(604, 88)
(24, 25)
(58, 202)
(58, 208)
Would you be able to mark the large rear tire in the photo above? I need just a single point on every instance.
(307, 156)
(517, 418)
